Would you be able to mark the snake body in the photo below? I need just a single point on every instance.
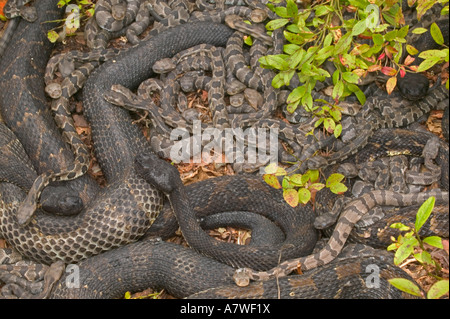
(24, 106)
(123, 211)
(245, 192)
(184, 273)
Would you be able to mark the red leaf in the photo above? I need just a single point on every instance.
(390, 84)
(343, 61)
(291, 197)
(402, 72)
(388, 53)
(361, 36)
(391, 49)
(382, 55)
(373, 68)
(408, 60)
(386, 70)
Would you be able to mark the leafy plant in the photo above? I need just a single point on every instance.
(431, 57)
(329, 115)
(411, 244)
(153, 295)
(298, 188)
(76, 9)
(319, 33)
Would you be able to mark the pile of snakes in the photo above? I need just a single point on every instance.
(69, 237)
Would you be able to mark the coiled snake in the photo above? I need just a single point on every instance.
(117, 142)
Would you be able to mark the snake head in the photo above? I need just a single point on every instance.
(59, 200)
(413, 86)
(157, 172)
(241, 277)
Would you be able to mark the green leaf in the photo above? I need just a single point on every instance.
(282, 12)
(277, 61)
(324, 53)
(392, 247)
(343, 44)
(423, 6)
(291, 107)
(337, 130)
(290, 48)
(411, 50)
(359, 94)
(307, 101)
(316, 186)
(377, 39)
(419, 30)
(338, 188)
(350, 77)
(291, 8)
(329, 124)
(359, 27)
(424, 257)
(295, 58)
(434, 241)
(271, 168)
(405, 285)
(312, 175)
(424, 212)
(286, 183)
(272, 180)
(296, 94)
(318, 122)
(328, 40)
(336, 114)
(303, 195)
(52, 36)
(338, 90)
(335, 77)
(400, 226)
(248, 41)
(390, 35)
(428, 63)
(334, 178)
(433, 53)
(323, 10)
(278, 81)
(438, 289)
(403, 32)
(276, 24)
(294, 37)
(405, 250)
(305, 178)
(62, 3)
(296, 179)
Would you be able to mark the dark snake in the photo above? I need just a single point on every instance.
(112, 176)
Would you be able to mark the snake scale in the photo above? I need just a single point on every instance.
(116, 157)
(24, 107)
